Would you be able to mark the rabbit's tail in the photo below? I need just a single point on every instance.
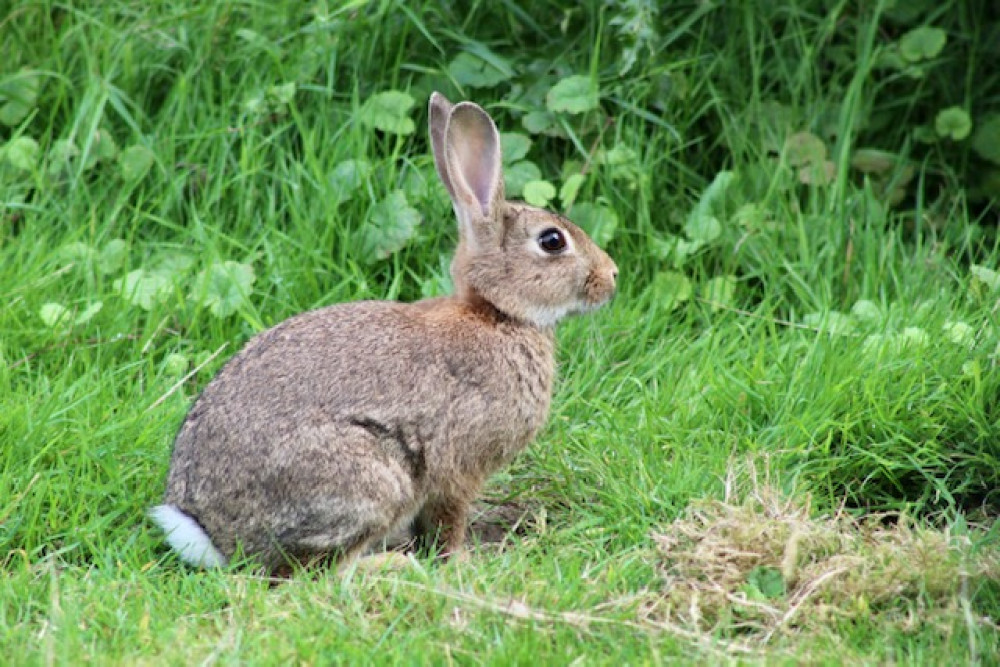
(186, 537)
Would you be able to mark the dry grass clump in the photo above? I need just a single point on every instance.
(765, 564)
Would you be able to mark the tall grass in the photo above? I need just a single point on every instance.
(839, 333)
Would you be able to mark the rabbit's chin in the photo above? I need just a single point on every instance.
(546, 317)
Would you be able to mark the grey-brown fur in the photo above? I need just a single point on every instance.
(342, 424)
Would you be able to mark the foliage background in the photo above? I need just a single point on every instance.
(801, 196)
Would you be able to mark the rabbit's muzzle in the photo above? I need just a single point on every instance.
(600, 284)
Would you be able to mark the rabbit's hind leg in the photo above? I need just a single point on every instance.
(347, 495)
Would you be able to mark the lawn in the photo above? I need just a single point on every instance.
(780, 442)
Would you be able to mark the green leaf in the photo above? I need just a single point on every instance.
(519, 174)
(670, 289)
(570, 189)
(421, 184)
(391, 225)
(282, 93)
(175, 364)
(922, 43)
(388, 111)
(925, 134)
(767, 581)
(889, 58)
(19, 94)
(819, 173)
(574, 94)
(915, 336)
(684, 249)
(104, 146)
(866, 311)
(112, 256)
(715, 194)
(873, 161)
(804, 148)
(703, 228)
(599, 221)
(255, 103)
(224, 287)
(22, 153)
(54, 314)
(13, 112)
(537, 121)
(135, 162)
(960, 333)
(88, 313)
(475, 72)
(145, 288)
(751, 216)
(175, 263)
(348, 177)
(987, 276)
(539, 193)
(617, 156)
(621, 162)
(61, 154)
(986, 141)
(514, 146)
(77, 252)
(719, 291)
(953, 122)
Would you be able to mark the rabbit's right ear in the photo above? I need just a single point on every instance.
(468, 160)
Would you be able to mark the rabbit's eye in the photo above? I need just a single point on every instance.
(552, 241)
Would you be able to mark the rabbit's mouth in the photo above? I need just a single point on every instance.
(597, 291)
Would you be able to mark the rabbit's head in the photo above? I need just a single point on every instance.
(530, 264)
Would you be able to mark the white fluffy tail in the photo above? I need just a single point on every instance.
(186, 537)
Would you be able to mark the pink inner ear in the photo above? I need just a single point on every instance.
(478, 170)
(474, 149)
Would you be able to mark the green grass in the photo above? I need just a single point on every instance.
(848, 358)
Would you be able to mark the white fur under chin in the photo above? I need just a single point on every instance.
(186, 537)
(547, 317)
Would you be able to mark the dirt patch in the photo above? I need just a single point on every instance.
(493, 523)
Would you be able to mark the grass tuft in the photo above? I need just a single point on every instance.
(760, 567)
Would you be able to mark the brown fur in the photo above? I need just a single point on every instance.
(339, 425)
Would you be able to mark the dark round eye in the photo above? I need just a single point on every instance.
(552, 241)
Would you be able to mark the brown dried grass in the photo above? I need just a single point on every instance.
(817, 569)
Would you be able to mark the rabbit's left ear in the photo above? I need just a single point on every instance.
(438, 111)
(474, 174)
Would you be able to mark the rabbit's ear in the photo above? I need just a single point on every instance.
(473, 165)
(439, 110)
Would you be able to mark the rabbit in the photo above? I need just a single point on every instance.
(346, 424)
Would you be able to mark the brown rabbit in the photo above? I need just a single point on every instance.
(340, 425)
